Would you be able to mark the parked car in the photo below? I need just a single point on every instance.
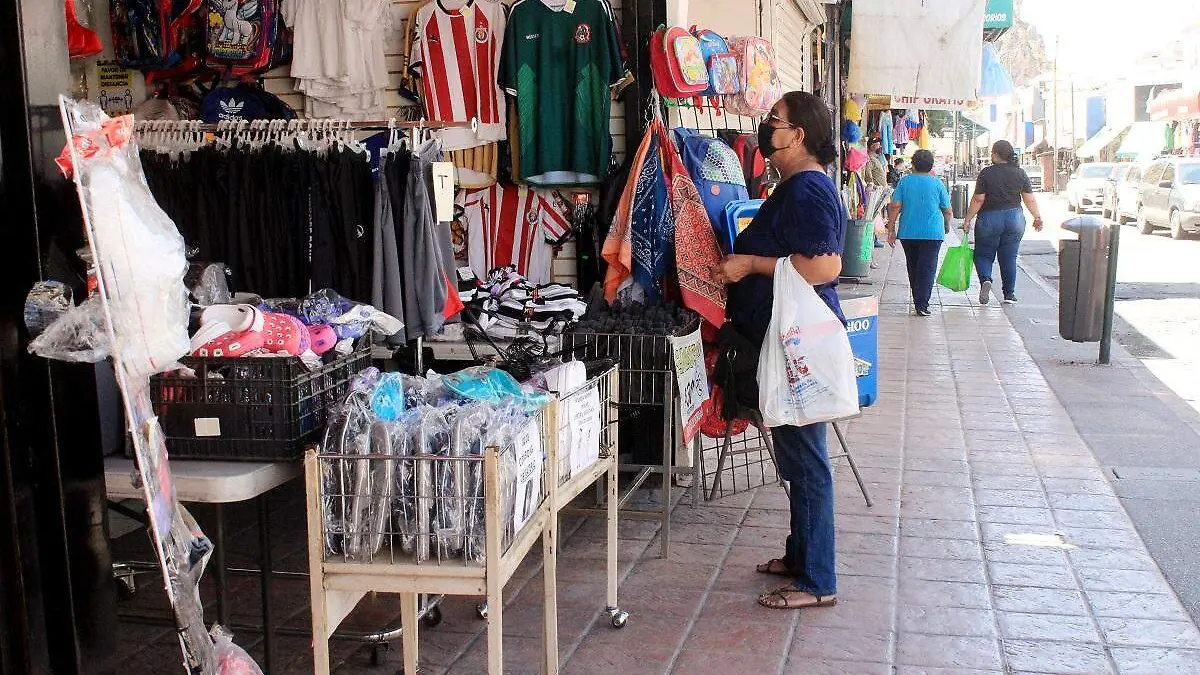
(1036, 177)
(1085, 189)
(1169, 196)
(1121, 193)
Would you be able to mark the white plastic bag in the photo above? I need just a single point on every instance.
(806, 368)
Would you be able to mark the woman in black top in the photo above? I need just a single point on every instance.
(999, 192)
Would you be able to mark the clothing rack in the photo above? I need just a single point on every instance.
(305, 125)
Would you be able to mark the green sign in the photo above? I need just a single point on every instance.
(999, 14)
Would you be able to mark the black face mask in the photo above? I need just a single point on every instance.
(765, 133)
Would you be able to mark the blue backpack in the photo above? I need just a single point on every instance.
(717, 173)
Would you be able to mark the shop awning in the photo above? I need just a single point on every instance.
(1039, 146)
(1177, 104)
(1103, 138)
(1145, 140)
(919, 49)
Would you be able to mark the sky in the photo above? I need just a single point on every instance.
(1102, 36)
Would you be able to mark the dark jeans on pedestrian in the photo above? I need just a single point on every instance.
(804, 463)
(921, 255)
(998, 234)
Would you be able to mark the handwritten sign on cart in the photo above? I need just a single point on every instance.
(530, 458)
(692, 381)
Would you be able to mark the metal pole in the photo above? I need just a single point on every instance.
(1057, 187)
(1110, 295)
(954, 171)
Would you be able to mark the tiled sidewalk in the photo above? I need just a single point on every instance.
(969, 457)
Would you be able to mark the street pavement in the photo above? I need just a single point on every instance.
(1158, 295)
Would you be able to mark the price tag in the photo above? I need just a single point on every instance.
(443, 191)
(570, 6)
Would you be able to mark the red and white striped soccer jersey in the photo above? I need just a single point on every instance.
(456, 52)
(512, 225)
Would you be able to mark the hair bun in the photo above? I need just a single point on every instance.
(827, 153)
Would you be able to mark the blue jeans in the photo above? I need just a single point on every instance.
(998, 234)
(804, 463)
(921, 256)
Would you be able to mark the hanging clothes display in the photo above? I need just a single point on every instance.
(560, 58)
(643, 200)
(456, 52)
(696, 249)
(513, 225)
(283, 220)
(338, 57)
(900, 131)
(886, 133)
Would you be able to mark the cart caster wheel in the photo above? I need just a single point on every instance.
(377, 652)
(618, 617)
(126, 587)
(481, 611)
(433, 617)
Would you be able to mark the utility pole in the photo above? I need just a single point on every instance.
(1054, 169)
(1074, 119)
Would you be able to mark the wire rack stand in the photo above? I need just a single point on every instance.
(744, 461)
(646, 382)
(361, 537)
(364, 540)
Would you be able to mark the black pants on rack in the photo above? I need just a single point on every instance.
(921, 255)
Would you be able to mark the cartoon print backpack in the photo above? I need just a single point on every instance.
(723, 78)
(677, 63)
(240, 33)
(717, 173)
(758, 75)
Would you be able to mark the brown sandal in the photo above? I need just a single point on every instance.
(775, 566)
(790, 597)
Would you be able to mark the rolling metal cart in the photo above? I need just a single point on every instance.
(646, 381)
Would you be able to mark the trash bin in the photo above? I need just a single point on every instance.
(1083, 271)
(862, 326)
(860, 246)
(958, 200)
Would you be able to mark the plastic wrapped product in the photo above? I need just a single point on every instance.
(139, 253)
(470, 431)
(47, 301)
(445, 520)
(211, 285)
(489, 385)
(346, 434)
(405, 503)
(80, 335)
(375, 482)
(232, 659)
(388, 398)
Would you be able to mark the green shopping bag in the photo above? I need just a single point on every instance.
(956, 268)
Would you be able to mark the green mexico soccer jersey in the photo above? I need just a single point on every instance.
(560, 64)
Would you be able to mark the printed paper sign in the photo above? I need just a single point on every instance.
(582, 432)
(114, 85)
(530, 458)
(692, 380)
(443, 191)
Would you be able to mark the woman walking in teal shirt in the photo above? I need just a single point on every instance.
(921, 204)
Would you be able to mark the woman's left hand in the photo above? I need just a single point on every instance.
(733, 269)
(1037, 224)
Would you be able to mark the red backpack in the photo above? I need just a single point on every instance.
(753, 165)
(677, 63)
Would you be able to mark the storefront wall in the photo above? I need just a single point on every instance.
(57, 598)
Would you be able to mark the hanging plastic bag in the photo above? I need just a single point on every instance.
(232, 659)
(955, 273)
(806, 369)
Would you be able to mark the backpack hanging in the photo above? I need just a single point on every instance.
(717, 173)
(758, 76)
(677, 63)
(754, 167)
(240, 33)
(722, 64)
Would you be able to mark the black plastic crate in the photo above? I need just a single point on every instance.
(250, 409)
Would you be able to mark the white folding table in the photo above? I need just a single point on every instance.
(219, 483)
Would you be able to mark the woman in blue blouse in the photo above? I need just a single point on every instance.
(804, 220)
(921, 204)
